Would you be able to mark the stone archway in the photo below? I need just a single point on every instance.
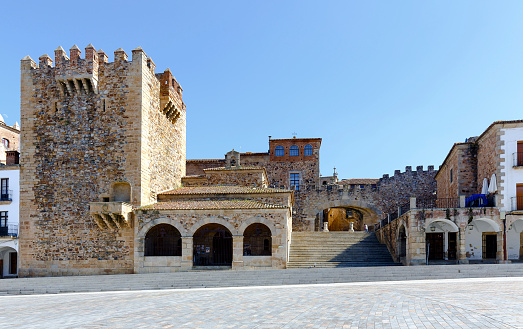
(212, 246)
(441, 239)
(341, 213)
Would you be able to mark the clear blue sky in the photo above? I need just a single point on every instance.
(386, 84)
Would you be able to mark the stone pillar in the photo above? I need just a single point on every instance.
(446, 245)
(462, 252)
(462, 201)
(187, 250)
(412, 203)
(500, 252)
(237, 252)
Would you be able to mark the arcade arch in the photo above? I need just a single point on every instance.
(340, 214)
(515, 240)
(483, 239)
(441, 239)
(212, 246)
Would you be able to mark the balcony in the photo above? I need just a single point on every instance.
(9, 230)
(111, 215)
(6, 196)
(517, 159)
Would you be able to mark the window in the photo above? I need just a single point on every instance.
(307, 150)
(5, 141)
(3, 223)
(451, 175)
(295, 181)
(362, 186)
(294, 151)
(279, 151)
(4, 190)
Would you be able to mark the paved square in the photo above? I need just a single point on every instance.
(455, 303)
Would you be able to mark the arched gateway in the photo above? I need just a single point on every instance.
(342, 215)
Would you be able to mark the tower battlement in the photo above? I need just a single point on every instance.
(76, 75)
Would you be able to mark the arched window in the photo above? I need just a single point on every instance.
(294, 151)
(163, 240)
(307, 150)
(279, 151)
(5, 141)
(257, 240)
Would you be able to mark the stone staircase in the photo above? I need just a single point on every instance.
(337, 249)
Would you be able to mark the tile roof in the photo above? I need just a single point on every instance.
(358, 181)
(235, 168)
(205, 160)
(223, 190)
(211, 205)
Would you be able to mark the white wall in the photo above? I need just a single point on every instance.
(513, 175)
(13, 173)
(474, 238)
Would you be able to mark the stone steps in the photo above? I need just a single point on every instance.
(337, 249)
(231, 278)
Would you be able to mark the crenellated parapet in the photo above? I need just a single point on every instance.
(76, 76)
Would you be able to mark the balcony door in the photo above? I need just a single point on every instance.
(520, 154)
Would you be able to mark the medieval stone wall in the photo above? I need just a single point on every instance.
(462, 161)
(396, 191)
(196, 167)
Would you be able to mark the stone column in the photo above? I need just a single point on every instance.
(499, 253)
(187, 250)
(237, 252)
(446, 245)
(462, 253)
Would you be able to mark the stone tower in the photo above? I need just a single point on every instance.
(93, 131)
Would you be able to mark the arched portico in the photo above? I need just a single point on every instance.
(208, 220)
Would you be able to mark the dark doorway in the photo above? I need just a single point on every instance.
(453, 246)
(13, 263)
(435, 246)
(490, 245)
(212, 246)
(163, 240)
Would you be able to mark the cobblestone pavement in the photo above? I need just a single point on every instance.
(453, 303)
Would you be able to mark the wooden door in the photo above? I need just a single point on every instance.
(520, 154)
(453, 248)
(435, 245)
(490, 245)
(519, 196)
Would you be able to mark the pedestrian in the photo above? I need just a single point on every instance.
(366, 228)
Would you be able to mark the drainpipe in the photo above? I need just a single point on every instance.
(504, 237)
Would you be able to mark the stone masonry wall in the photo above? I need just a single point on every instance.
(488, 156)
(462, 162)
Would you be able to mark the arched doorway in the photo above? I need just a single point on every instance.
(8, 262)
(212, 246)
(441, 240)
(163, 240)
(257, 240)
(482, 239)
(515, 240)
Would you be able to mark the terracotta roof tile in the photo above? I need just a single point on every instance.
(223, 190)
(211, 205)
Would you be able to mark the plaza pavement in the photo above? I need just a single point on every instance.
(480, 302)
